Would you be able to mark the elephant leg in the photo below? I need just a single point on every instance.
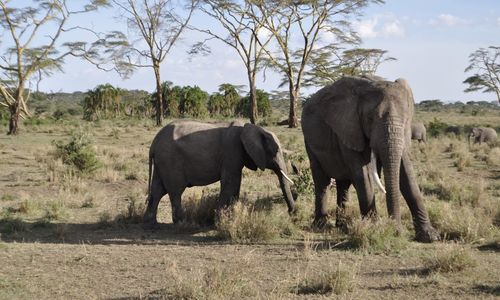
(156, 193)
(411, 193)
(229, 188)
(364, 188)
(342, 198)
(321, 183)
(175, 201)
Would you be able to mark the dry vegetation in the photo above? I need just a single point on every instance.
(70, 225)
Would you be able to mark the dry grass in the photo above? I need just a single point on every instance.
(451, 260)
(88, 226)
(338, 281)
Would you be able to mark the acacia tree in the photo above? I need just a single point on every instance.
(243, 27)
(486, 67)
(32, 34)
(308, 21)
(330, 63)
(158, 24)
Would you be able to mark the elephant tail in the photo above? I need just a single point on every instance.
(150, 174)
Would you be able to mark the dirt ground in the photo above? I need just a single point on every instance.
(78, 255)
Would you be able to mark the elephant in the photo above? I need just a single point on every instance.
(453, 129)
(190, 153)
(482, 135)
(352, 129)
(418, 132)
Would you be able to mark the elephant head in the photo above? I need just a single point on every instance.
(374, 116)
(475, 133)
(264, 152)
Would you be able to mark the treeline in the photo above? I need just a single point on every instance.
(469, 107)
(106, 101)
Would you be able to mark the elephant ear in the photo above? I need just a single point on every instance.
(342, 115)
(252, 138)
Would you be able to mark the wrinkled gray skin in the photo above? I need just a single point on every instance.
(483, 135)
(342, 124)
(189, 153)
(418, 132)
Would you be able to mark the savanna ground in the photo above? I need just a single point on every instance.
(72, 234)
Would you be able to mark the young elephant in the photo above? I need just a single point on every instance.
(189, 153)
(351, 125)
(483, 135)
(418, 132)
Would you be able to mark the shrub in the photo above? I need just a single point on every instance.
(338, 281)
(78, 152)
(448, 261)
(436, 127)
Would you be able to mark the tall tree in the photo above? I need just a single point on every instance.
(309, 21)
(243, 26)
(486, 67)
(158, 24)
(32, 34)
(330, 63)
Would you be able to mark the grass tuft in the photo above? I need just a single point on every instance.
(448, 261)
(243, 224)
(376, 236)
(339, 281)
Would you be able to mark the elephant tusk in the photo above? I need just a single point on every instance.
(287, 178)
(375, 174)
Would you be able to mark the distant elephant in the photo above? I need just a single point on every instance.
(189, 153)
(418, 132)
(483, 135)
(453, 129)
(350, 125)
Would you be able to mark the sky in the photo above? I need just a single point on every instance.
(431, 41)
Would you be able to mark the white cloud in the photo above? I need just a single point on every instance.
(447, 20)
(498, 21)
(366, 28)
(393, 29)
(380, 26)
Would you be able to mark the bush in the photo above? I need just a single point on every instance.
(78, 152)
(436, 127)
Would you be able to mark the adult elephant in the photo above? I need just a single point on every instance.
(189, 153)
(483, 135)
(349, 126)
(418, 132)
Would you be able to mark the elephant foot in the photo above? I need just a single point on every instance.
(321, 223)
(150, 225)
(427, 235)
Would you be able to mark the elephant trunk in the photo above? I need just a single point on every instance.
(391, 154)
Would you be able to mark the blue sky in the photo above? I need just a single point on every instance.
(431, 40)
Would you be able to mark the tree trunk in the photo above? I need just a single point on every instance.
(292, 116)
(253, 100)
(14, 119)
(159, 95)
